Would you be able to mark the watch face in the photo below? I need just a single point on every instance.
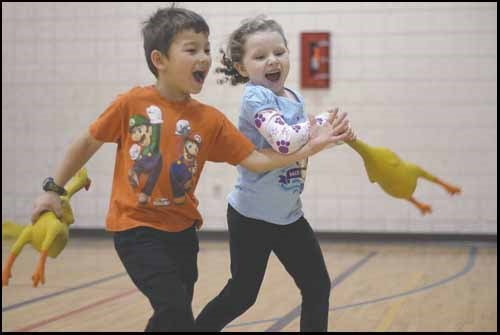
(46, 184)
(50, 185)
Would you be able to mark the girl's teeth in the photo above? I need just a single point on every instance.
(273, 76)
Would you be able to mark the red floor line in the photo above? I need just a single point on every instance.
(76, 311)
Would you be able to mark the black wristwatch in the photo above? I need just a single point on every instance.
(50, 185)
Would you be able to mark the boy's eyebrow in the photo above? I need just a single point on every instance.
(189, 43)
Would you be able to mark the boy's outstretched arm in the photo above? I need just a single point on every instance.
(78, 153)
(264, 160)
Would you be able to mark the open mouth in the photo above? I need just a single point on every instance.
(199, 76)
(273, 76)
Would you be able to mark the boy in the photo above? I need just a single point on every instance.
(164, 138)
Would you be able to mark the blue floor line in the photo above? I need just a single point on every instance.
(55, 294)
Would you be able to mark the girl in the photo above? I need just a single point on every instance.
(265, 210)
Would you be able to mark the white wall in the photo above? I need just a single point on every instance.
(419, 78)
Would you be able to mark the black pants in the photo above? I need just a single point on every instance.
(251, 243)
(163, 266)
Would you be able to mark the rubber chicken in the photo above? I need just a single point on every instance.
(48, 234)
(396, 177)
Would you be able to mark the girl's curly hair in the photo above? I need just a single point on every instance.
(235, 48)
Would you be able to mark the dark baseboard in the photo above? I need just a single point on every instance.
(357, 237)
(377, 237)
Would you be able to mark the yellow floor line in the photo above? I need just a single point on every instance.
(394, 308)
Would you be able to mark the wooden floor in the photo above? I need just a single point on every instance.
(375, 287)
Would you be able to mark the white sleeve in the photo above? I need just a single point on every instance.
(282, 137)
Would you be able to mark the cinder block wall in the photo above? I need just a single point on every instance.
(419, 78)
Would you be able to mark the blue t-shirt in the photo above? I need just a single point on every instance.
(273, 196)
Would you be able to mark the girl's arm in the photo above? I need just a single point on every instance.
(264, 160)
(282, 137)
(79, 152)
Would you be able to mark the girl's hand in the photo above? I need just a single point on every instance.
(335, 130)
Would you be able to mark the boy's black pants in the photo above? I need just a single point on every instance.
(163, 266)
(251, 243)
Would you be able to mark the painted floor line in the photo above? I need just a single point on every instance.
(467, 268)
(395, 307)
(294, 313)
(55, 294)
(75, 311)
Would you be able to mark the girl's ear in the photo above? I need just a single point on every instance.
(241, 69)
(159, 60)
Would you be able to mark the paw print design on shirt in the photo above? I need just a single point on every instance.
(279, 120)
(296, 127)
(259, 120)
(283, 146)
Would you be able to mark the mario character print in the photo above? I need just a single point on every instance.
(185, 167)
(145, 152)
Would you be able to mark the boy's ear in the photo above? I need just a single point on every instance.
(241, 69)
(159, 60)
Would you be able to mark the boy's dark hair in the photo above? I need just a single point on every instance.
(161, 28)
(234, 53)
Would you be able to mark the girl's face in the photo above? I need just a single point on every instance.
(187, 64)
(266, 60)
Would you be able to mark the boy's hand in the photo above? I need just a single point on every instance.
(351, 135)
(334, 130)
(322, 118)
(342, 125)
(48, 201)
(349, 132)
(332, 114)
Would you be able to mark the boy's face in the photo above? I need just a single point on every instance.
(266, 60)
(188, 63)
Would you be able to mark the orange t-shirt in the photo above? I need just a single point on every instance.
(162, 148)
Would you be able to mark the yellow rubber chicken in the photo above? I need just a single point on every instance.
(48, 234)
(396, 177)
